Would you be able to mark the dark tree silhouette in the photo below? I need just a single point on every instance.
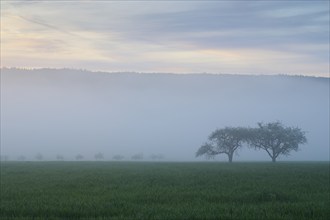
(276, 139)
(223, 141)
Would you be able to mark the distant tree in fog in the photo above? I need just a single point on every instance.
(156, 156)
(137, 157)
(4, 158)
(59, 157)
(118, 157)
(223, 141)
(21, 158)
(276, 139)
(79, 157)
(99, 156)
(39, 156)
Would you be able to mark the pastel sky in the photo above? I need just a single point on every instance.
(234, 37)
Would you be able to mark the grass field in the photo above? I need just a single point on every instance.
(142, 190)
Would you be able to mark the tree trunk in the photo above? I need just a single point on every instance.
(230, 157)
(273, 156)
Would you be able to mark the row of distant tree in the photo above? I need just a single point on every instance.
(274, 138)
(98, 156)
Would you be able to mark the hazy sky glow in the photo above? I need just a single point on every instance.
(267, 37)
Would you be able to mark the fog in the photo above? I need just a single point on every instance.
(71, 112)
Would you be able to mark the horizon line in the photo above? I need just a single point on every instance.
(165, 73)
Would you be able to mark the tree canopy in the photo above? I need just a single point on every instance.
(39, 156)
(276, 139)
(223, 141)
(99, 156)
(79, 157)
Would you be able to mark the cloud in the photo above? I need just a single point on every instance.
(237, 25)
(47, 25)
(148, 35)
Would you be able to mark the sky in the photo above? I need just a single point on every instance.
(233, 37)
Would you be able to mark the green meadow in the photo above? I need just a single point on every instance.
(164, 190)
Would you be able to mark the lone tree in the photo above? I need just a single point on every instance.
(79, 157)
(59, 157)
(99, 156)
(156, 156)
(118, 157)
(39, 156)
(4, 158)
(223, 141)
(276, 139)
(21, 158)
(137, 157)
